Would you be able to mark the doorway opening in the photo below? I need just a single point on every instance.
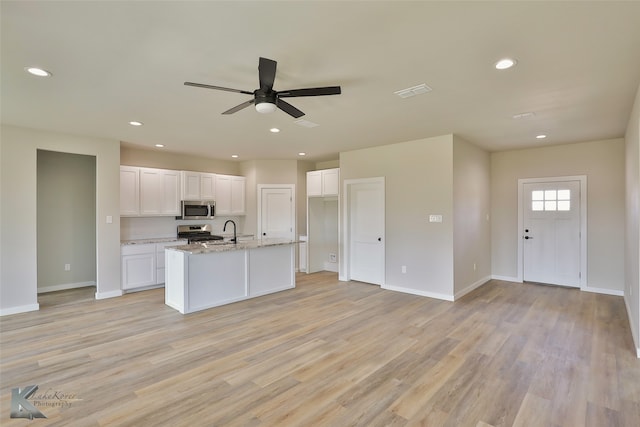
(66, 223)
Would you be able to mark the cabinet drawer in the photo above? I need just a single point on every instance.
(138, 249)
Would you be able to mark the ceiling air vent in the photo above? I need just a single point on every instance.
(305, 123)
(413, 91)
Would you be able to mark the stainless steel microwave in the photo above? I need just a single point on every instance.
(198, 209)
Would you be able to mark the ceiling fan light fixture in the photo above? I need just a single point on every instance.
(266, 107)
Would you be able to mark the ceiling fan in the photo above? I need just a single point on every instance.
(265, 98)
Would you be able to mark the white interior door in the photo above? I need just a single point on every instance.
(366, 231)
(277, 211)
(552, 232)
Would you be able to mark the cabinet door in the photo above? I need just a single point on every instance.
(159, 192)
(151, 191)
(139, 270)
(238, 184)
(171, 193)
(129, 191)
(314, 183)
(330, 182)
(190, 185)
(207, 186)
(223, 195)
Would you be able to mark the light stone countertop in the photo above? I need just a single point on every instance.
(218, 246)
(149, 241)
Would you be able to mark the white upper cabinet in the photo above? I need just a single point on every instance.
(129, 191)
(324, 182)
(314, 183)
(198, 186)
(230, 195)
(149, 192)
(159, 192)
(330, 182)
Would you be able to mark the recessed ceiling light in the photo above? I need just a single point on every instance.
(505, 63)
(135, 123)
(541, 136)
(302, 154)
(274, 130)
(160, 145)
(235, 156)
(38, 72)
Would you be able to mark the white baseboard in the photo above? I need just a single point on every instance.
(331, 266)
(110, 294)
(471, 287)
(19, 309)
(603, 291)
(65, 286)
(506, 278)
(634, 332)
(411, 291)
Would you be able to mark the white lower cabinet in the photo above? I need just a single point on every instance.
(143, 265)
(138, 266)
(160, 258)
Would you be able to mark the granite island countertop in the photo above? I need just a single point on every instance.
(151, 240)
(225, 246)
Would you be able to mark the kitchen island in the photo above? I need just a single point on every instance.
(205, 275)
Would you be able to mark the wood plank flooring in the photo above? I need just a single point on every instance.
(327, 353)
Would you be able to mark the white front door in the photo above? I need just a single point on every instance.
(366, 231)
(277, 211)
(552, 232)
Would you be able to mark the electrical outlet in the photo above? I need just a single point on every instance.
(474, 266)
(67, 267)
(333, 258)
(435, 218)
(404, 269)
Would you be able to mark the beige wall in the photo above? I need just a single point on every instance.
(167, 160)
(632, 232)
(66, 229)
(18, 284)
(471, 205)
(418, 182)
(603, 164)
(265, 172)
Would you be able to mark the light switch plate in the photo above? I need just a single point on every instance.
(435, 218)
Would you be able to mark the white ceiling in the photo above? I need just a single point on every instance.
(115, 61)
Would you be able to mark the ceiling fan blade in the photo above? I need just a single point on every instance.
(217, 88)
(289, 109)
(314, 91)
(239, 107)
(267, 73)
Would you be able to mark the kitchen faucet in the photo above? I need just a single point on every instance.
(235, 238)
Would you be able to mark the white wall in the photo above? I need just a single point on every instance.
(603, 164)
(632, 219)
(471, 206)
(18, 281)
(419, 182)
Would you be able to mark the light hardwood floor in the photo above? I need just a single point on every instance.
(328, 354)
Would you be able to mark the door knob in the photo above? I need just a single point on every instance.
(379, 239)
(528, 237)
(264, 234)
